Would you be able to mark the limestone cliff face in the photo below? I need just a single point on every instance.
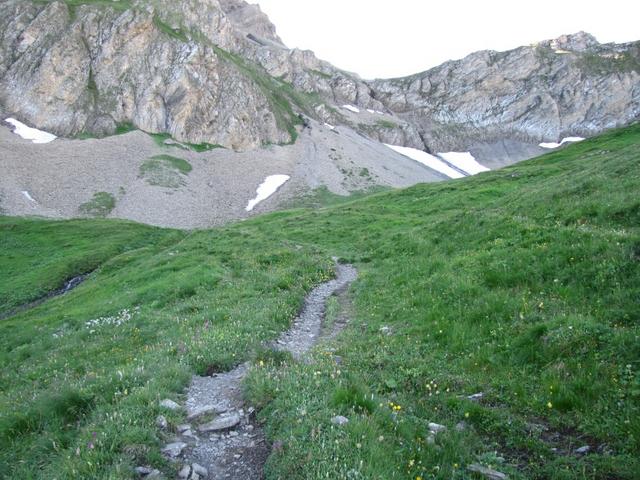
(162, 68)
(215, 71)
(568, 86)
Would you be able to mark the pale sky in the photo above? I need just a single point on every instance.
(391, 38)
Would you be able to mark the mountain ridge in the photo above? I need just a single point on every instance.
(210, 85)
(216, 72)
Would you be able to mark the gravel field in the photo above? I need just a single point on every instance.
(62, 175)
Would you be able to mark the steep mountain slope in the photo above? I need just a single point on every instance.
(500, 310)
(214, 73)
(544, 92)
(209, 71)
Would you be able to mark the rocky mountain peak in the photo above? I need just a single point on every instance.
(576, 42)
(250, 19)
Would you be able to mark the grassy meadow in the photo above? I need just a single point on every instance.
(522, 284)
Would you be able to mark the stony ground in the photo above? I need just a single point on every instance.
(62, 175)
(222, 439)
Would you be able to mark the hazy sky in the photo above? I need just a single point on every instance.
(390, 38)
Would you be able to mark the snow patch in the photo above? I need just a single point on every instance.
(377, 112)
(330, 127)
(28, 133)
(424, 158)
(28, 197)
(266, 189)
(564, 140)
(464, 161)
(351, 108)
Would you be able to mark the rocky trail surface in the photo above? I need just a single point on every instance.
(222, 439)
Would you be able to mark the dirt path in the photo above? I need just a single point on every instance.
(222, 439)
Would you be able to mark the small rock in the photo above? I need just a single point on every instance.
(385, 330)
(249, 428)
(200, 470)
(220, 424)
(476, 396)
(339, 420)
(155, 474)
(161, 422)
(184, 472)
(189, 434)
(431, 439)
(194, 476)
(169, 404)
(237, 456)
(436, 428)
(200, 411)
(184, 428)
(487, 472)
(583, 450)
(233, 434)
(143, 471)
(174, 450)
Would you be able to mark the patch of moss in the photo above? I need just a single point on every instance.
(595, 64)
(101, 205)
(175, 33)
(320, 74)
(165, 171)
(161, 138)
(386, 124)
(124, 127)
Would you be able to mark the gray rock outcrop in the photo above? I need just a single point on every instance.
(543, 92)
(162, 69)
(216, 72)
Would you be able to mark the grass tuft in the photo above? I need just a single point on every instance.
(165, 171)
(101, 205)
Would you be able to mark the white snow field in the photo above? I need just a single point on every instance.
(464, 161)
(351, 108)
(424, 158)
(28, 133)
(28, 197)
(564, 140)
(266, 189)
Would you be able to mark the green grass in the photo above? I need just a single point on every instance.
(38, 257)
(118, 5)
(521, 283)
(386, 124)
(165, 171)
(100, 205)
(322, 197)
(175, 33)
(594, 64)
(160, 138)
(321, 74)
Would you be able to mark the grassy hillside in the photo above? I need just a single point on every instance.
(522, 284)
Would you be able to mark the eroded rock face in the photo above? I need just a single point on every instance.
(91, 69)
(215, 71)
(568, 86)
